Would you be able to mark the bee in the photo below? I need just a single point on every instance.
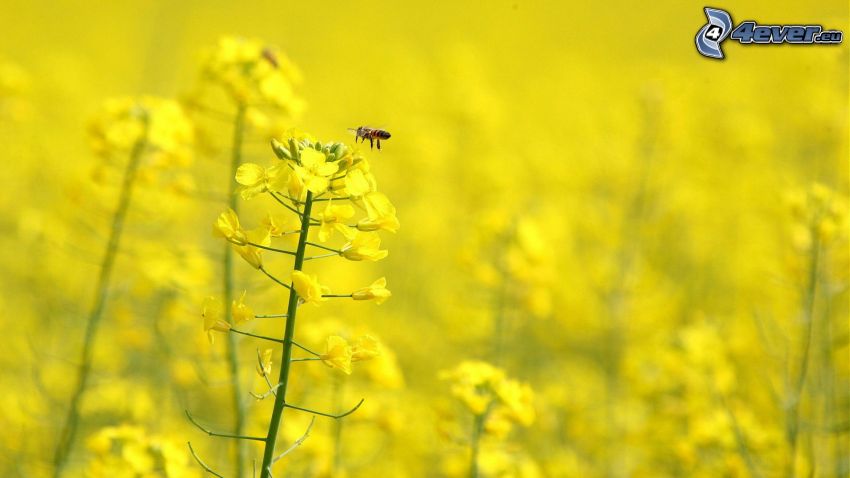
(372, 134)
(269, 55)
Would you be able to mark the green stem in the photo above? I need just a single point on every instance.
(793, 426)
(69, 429)
(475, 440)
(337, 432)
(289, 334)
(232, 342)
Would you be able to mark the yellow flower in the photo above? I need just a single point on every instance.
(385, 223)
(377, 291)
(333, 219)
(485, 390)
(364, 246)
(308, 288)
(365, 348)
(358, 182)
(518, 399)
(254, 179)
(213, 313)
(338, 354)
(253, 73)
(315, 171)
(161, 123)
(380, 214)
(227, 226)
(241, 312)
(254, 255)
(264, 368)
(279, 224)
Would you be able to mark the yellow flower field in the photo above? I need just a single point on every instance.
(565, 244)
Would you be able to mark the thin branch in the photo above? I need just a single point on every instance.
(272, 391)
(313, 221)
(331, 254)
(306, 359)
(324, 247)
(271, 316)
(315, 199)
(223, 435)
(273, 249)
(296, 443)
(264, 271)
(305, 349)
(201, 462)
(338, 296)
(270, 339)
(336, 417)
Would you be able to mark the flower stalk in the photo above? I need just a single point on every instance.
(288, 337)
(68, 434)
(239, 405)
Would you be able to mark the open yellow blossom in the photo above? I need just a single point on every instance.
(256, 179)
(358, 183)
(383, 223)
(518, 399)
(213, 313)
(380, 213)
(123, 122)
(315, 171)
(227, 226)
(279, 224)
(338, 354)
(253, 72)
(377, 291)
(364, 246)
(486, 391)
(473, 384)
(308, 288)
(254, 255)
(365, 348)
(333, 219)
(240, 311)
(264, 367)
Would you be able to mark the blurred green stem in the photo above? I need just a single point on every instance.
(474, 443)
(69, 429)
(793, 418)
(288, 337)
(232, 339)
(337, 405)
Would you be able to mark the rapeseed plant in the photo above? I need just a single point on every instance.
(257, 81)
(495, 402)
(136, 135)
(662, 330)
(307, 174)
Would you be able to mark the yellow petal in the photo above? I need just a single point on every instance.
(250, 174)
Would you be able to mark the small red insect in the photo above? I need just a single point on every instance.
(372, 134)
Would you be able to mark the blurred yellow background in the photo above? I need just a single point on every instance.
(655, 242)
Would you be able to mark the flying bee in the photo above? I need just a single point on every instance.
(372, 134)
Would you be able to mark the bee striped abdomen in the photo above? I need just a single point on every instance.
(372, 134)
